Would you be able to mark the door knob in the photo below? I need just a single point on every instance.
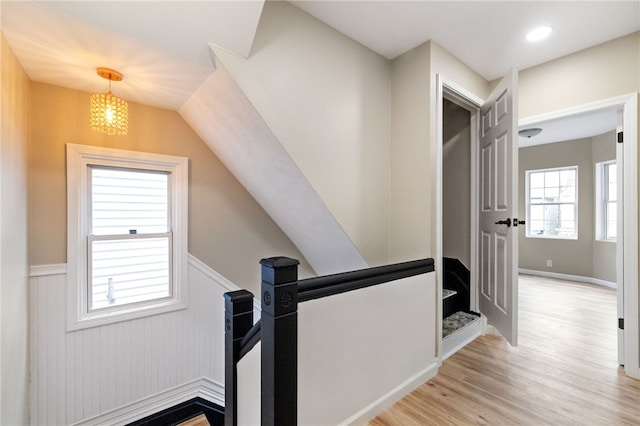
(504, 222)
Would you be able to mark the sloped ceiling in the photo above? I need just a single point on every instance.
(162, 48)
(225, 119)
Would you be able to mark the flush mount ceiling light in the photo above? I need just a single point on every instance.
(539, 33)
(109, 113)
(529, 133)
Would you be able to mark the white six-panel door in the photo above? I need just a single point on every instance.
(498, 244)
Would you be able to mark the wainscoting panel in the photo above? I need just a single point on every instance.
(81, 374)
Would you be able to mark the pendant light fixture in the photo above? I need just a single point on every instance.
(109, 113)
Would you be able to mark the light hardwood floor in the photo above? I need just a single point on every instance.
(200, 420)
(564, 371)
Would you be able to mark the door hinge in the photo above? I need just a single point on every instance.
(620, 137)
(621, 323)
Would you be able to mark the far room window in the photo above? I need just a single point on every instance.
(606, 201)
(552, 203)
(126, 234)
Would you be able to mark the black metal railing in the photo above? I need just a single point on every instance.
(281, 291)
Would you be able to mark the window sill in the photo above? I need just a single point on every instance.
(548, 237)
(124, 314)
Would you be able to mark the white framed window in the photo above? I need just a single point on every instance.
(126, 234)
(552, 203)
(606, 201)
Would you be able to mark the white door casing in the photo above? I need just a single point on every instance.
(497, 241)
(620, 235)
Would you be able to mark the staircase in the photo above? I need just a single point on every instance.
(194, 412)
(460, 325)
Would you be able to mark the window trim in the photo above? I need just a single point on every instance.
(528, 203)
(79, 159)
(601, 188)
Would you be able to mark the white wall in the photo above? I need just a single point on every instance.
(121, 372)
(326, 99)
(358, 352)
(14, 323)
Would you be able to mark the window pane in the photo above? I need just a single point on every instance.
(552, 194)
(567, 212)
(551, 219)
(552, 179)
(537, 213)
(611, 222)
(129, 271)
(552, 203)
(126, 200)
(536, 195)
(536, 180)
(536, 227)
(610, 182)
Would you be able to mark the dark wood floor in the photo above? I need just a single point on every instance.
(564, 371)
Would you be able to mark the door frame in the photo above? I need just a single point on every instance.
(628, 280)
(457, 94)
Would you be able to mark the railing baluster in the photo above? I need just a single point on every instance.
(279, 341)
(238, 317)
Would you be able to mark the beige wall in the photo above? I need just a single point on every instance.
(228, 230)
(601, 72)
(410, 210)
(456, 183)
(582, 257)
(414, 164)
(14, 294)
(326, 98)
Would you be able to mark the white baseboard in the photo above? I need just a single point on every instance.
(395, 394)
(203, 388)
(567, 277)
(461, 338)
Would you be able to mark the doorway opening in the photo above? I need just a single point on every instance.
(461, 321)
(627, 245)
(566, 173)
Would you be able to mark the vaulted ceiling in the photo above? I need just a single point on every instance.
(161, 47)
(163, 50)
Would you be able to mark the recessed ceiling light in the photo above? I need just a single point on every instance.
(539, 33)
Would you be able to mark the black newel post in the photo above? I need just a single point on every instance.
(238, 317)
(279, 341)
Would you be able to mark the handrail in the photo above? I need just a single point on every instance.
(329, 285)
(278, 328)
(250, 340)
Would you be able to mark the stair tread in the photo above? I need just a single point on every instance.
(456, 322)
(446, 293)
